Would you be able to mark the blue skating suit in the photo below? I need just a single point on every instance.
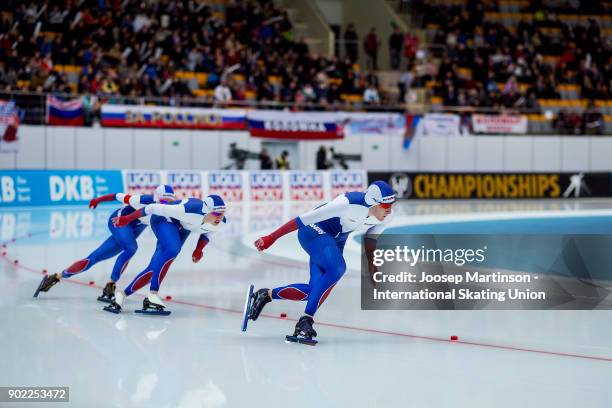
(322, 233)
(172, 223)
(122, 240)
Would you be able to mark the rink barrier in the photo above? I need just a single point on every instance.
(22, 188)
(418, 185)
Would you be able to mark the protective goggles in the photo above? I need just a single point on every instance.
(386, 205)
(216, 214)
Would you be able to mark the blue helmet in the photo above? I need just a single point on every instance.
(213, 203)
(379, 192)
(163, 192)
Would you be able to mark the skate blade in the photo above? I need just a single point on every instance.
(300, 340)
(153, 312)
(111, 309)
(39, 288)
(105, 299)
(247, 307)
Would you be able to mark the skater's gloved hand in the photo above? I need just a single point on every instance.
(264, 243)
(93, 203)
(124, 220)
(121, 221)
(196, 255)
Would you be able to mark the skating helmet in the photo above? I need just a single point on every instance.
(163, 192)
(379, 192)
(213, 203)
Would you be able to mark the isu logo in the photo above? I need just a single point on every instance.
(142, 182)
(186, 184)
(227, 184)
(266, 186)
(400, 182)
(343, 182)
(306, 186)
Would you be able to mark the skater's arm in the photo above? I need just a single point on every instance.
(335, 208)
(136, 201)
(332, 209)
(176, 211)
(266, 241)
(197, 252)
(108, 197)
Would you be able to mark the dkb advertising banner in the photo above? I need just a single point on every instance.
(470, 272)
(409, 185)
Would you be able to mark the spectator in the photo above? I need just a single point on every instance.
(370, 96)
(223, 93)
(282, 161)
(396, 42)
(370, 45)
(411, 46)
(405, 83)
(265, 161)
(351, 43)
(322, 162)
(592, 121)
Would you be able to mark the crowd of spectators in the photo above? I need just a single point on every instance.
(135, 48)
(500, 57)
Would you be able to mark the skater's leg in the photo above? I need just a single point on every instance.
(126, 239)
(168, 246)
(294, 291)
(327, 259)
(108, 249)
(172, 240)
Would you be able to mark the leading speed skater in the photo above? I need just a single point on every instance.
(322, 233)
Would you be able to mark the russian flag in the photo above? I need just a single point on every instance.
(64, 113)
(295, 125)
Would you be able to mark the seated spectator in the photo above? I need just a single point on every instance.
(592, 121)
(223, 93)
(370, 95)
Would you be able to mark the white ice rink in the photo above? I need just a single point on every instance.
(198, 357)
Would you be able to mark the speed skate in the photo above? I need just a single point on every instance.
(246, 313)
(152, 305)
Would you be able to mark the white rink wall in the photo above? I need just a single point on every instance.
(42, 147)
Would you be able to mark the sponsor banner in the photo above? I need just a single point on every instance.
(374, 124)
(265, 186)
(185, 183)
(306, 186)
(56, 187)
(344, 181)
(141, 181)
(172, 117)
(68, 224)
(9, 123)
(266, 216)
(515, 124)
(438, 124)
(296, 126)
(496, 185)
(65, 113)
(227, 184)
